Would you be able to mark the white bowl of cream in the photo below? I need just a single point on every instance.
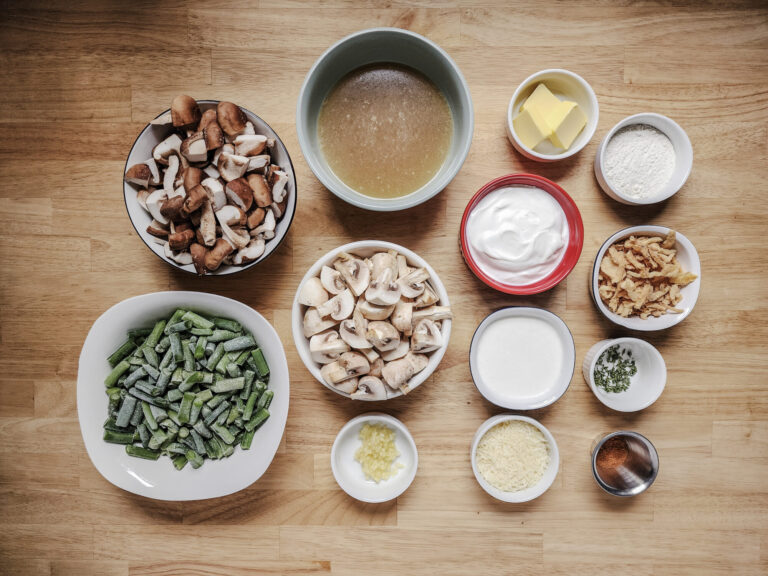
(522, 358)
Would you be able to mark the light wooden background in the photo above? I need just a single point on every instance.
(78, 82)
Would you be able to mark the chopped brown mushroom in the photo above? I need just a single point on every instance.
(207, 117)
(194, 148)
(194, 200)
(231, 118)
(181, 240)
(261, 192)
(214, 257)
(185, 111)
(239, 193)
(214, 136)
(171, 208)
(255, 217)
(192, 177)
(198, 257)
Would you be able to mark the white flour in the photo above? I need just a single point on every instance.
(639, 161)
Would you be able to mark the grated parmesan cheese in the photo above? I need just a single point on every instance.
(512, 456)
(378, 452)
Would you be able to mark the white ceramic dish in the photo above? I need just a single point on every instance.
(367, 248)
(140, 218)
(683, 157)
(159, 479)
(529, 493)
(349, 473)
(644, 388)
(508, 399)
(567, 86)
(387, 45)
(689, 260)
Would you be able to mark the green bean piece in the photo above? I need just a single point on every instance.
(250, 405)
(191, 379)
(109, 424)
(233, 370)
(118, 437)
(201, 331)
(258, 419)
(167, 359)
(174, 417)
(183, 432)
(149, 418)
(124, 350)
(140, 452)
(151, 356)
(158, 413)
(178, 376)
(134, 376)
(174, 406)
(145, 387)
(154, 336)
(137, 360)
(186, 407)
(152, 372)
(176, 448)
(126, 411)
(197, 439)
(200, 348)
(228, 385)
(136, 334)
(222, 419)
(228, 324)
(260, 362)
(194, 413)
(163, 346)
(158, 437)
(233, 414)
(228, 450)
(178, 355)
(121, 368)
(223, 433)
(239, 343)
(174, 319)
(163, 380)
(169, 425)
(144, 434)
(174, 395)
(189, 358)
(161, 402)
(138, 415)
(211, 418)
(265, 400)
(176, 327)
(216, 356)
(202, 429)
(242, 357)
(194, 458)
(205, 395)
(247, 439)
(196, 320)
(188, 442)
(221, 367)
(179, 461)
(114, 400)
(219, 336)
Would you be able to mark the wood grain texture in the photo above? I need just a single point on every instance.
(78, 80)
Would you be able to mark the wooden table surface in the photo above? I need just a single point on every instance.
(77, 84)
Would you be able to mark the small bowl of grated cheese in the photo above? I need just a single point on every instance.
(374, 458)
(514, 458)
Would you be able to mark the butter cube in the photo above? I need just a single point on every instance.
(542, 99)
(566, 121)
(531, 127)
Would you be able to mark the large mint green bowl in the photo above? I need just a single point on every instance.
(397, 46)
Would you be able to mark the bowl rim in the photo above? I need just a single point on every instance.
(302, 343)
(671, 319)
(232, 269)
(92, 439)
(572, 251)
(395, 423)
(535, 491)
(571, 151)
(433, 185)
(654, 458)
(650, 348)
(639, 119)
(485, 391)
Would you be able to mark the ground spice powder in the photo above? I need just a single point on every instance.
(612, 454)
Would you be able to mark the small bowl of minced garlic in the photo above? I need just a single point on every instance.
(552, 115)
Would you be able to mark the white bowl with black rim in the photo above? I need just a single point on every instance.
(141, 150)
(512, 393)
(686, 256)
(365, 249)
(159, 479)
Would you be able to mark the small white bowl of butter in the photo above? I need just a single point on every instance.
(526, 128)
(522, 358)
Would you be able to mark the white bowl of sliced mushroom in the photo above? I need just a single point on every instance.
(209, 187)
(371, 320)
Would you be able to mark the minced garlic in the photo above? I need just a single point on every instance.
(378, 452)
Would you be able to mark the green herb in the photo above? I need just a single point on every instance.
(614, 369)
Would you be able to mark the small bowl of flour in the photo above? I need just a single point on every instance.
(644, 159)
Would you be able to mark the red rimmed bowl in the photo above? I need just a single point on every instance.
(572, 249)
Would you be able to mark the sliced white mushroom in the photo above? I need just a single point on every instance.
(314, 323)
(396, 353)
(216, 192)
(171, 146)
(402, 317)
(374, 312)
(231, 166)
(427, 298)
(353, 331)
(384, 290)
(412, 285)
(349, 365)
(278, 187)
(355, 272)
(402, 266)
(169, 178)
(397, 373)
(249, 144)
(383, 335)
(182, 258)
(312, 293)
(258, 162)
(326, 347)
(339, 307)
(382, 261)
(371, 355)
(369, 388)
(347, 386)
(377, 365)
(250, 253)
(433, 313)
(332, 280)
(154, 203)
(426, 336)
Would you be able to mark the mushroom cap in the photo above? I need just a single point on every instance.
(396, 353)
(370, 388)
(231, 118)
(216, 193)
(216, 255)
(185, 111)
(374, 312)
(314, 323)
(165, 149)
(312, 293)
(192, 177)
(339, 307)
(354, 363)
(250, 144)
(355, 272)
(402, 316)
(239, 193)
(412, 285)
(232, 166)
(353, 331)
(383, 336)
(250, 253)
(398, 373)
(139, 174)
(382, 261)
(326, 347)
(193, 148)
(384, 290)
(214, 136)
(332, 280)
(262, 195)
(207, 117)
(197, 251)
(426, 336)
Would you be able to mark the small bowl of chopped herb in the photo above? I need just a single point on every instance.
(625, 374)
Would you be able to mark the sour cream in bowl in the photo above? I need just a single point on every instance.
(521, 234)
